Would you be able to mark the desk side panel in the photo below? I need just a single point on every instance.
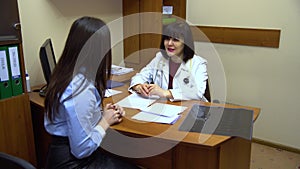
(160, 161)
(235, 154)
(41, 137)
(196, 157)
(137, 148)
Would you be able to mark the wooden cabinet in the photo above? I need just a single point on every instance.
(16, 132)
(142, 26)
(10, 23)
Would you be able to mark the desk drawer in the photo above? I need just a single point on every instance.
(161, 161)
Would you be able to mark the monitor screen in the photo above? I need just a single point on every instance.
(47, 59)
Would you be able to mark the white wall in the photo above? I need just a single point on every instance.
(52, 19)
(267, 78)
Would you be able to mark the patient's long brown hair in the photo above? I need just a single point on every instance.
(87, 51)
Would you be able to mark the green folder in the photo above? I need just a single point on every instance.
(15, 70)
(5, 81)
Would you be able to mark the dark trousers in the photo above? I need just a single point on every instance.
(60, 157)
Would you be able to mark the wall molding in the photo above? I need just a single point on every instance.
(238, 36)
(276, 145)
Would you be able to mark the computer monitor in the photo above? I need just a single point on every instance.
(48, 62)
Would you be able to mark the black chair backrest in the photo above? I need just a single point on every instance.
(207, 91)
(12, 162)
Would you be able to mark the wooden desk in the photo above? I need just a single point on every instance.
(187, 151)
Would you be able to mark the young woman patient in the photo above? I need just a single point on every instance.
(75, 114)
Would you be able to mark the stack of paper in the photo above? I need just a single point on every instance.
(136, 101)
(119, 70)
(160, 113)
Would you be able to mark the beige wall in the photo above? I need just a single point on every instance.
(52, 19)
(263, 77)
(267, 78)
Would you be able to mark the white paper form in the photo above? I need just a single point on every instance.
(149, 117)
(160, 113)
(137, 102)
(166, 110)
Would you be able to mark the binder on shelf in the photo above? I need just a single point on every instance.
(5, 81)
(15, 72)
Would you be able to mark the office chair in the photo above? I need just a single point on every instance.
(207, 92)
(208, 96)
(12, 162)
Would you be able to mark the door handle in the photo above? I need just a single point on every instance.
(17, 26)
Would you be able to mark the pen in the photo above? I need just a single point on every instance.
(150, 80)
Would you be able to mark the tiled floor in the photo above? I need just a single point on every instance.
(264, 157)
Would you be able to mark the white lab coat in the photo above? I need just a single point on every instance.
(189, 81)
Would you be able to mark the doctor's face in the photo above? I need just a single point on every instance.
(174, 47)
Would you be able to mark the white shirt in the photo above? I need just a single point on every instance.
(78, 117)
(189, 81)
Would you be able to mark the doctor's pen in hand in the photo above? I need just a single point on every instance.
(150, 80)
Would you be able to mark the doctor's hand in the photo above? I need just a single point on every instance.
(157, 90)
(142, 89)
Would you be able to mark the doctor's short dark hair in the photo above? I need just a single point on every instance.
(179, 30)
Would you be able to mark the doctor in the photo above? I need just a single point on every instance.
(175, 73)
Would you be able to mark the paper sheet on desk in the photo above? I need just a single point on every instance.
(136, 101)
(111, 92)
(166, 110)
(119, 70)
(160, 113)
(149, 117)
